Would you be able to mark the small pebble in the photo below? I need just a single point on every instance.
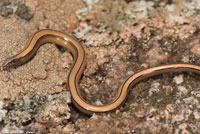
(178, 79)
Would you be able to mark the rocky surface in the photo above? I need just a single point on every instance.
(121, 37)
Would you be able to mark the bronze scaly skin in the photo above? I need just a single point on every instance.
(78, 53)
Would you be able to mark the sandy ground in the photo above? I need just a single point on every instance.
(120, 38)
(59, 15)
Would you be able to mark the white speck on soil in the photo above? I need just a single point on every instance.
(182, 90)
(178, 79)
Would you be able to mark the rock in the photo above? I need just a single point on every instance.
(3, 112)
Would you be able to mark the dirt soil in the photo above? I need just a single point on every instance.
(120, 37)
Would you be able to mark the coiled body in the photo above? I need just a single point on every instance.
(78, 53)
